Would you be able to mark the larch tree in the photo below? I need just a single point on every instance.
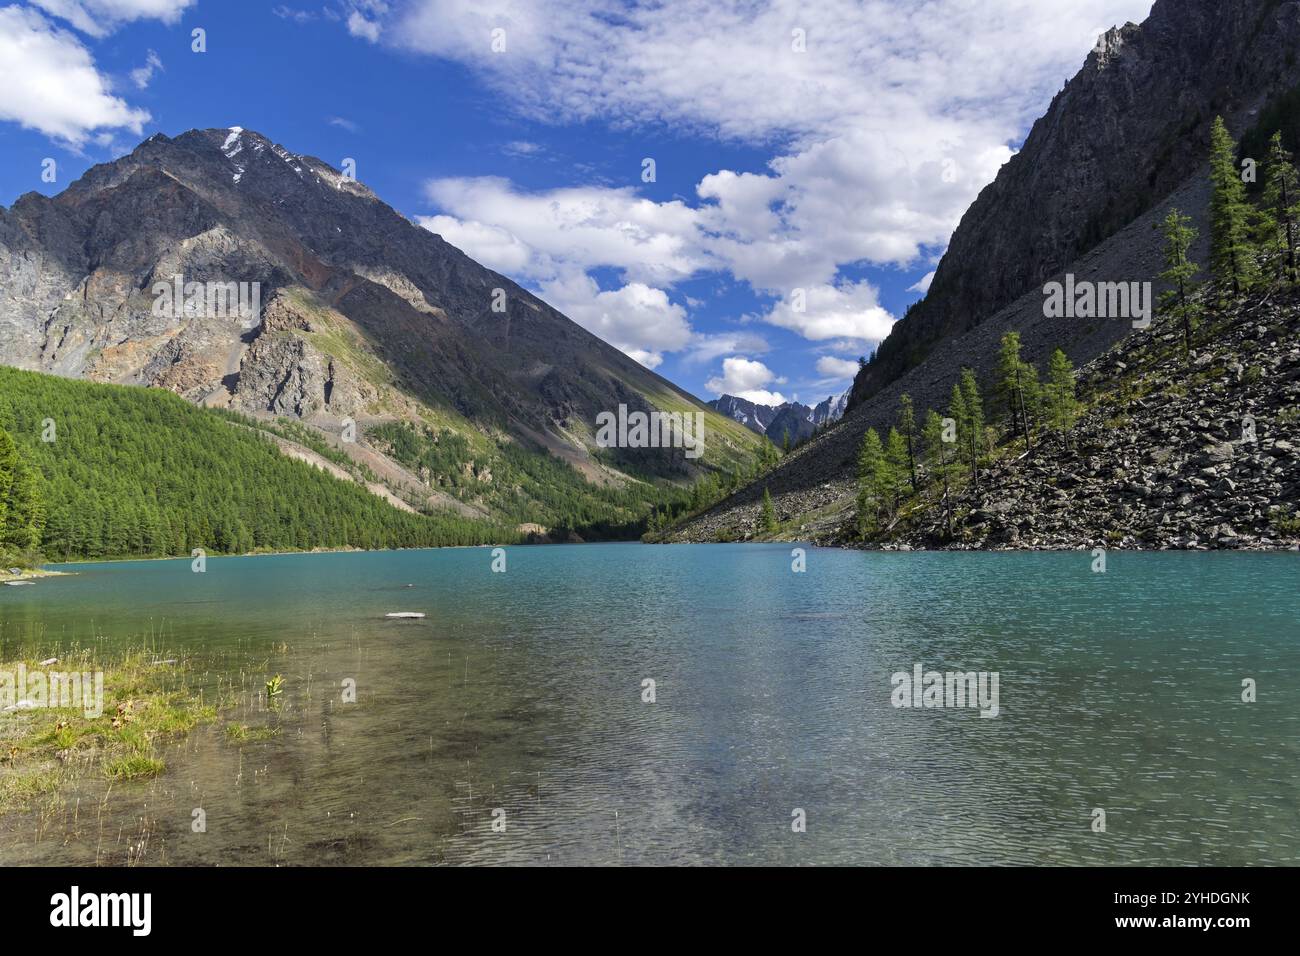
(1232, 261)
(1176, 301)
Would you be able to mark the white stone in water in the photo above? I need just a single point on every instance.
(405, 614)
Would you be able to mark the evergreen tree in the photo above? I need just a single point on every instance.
(1231, 259)
(872, 480)
(8, 468)
(907, 423)
(1281, 203)
(1179, 272)
(896, 469)
(1062, 406)
(937, 448)
(958, 412)
(769, 512)
(970, 391)
(1017, 383)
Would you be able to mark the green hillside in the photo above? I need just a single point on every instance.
(139, 472)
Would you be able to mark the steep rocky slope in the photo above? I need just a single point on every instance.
(364, 315)
(1123, 143)
(1128, 130)
(1171, 454)
(817, 482)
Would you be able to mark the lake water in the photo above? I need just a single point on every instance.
(522, 692)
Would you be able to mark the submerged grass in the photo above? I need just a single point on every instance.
(242, 733)
(146, 699)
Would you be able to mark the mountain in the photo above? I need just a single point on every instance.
(1123, 135)
(797, 421)
(365, 318)
(1120, 146)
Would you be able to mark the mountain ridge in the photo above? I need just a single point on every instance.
(818, 480)
(1124, 133)
(792, 421)
(366, 317)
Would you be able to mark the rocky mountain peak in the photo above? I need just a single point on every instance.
(1127, 131)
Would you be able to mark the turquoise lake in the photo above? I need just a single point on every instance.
(519, 700)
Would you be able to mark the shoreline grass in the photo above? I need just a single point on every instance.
(147, 700)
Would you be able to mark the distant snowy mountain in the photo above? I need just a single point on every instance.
(794, 419)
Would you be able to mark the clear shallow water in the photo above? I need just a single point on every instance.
(523, 690)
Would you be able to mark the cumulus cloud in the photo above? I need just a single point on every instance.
(896, 113)
(495, 247)
(99, 18)
(592, 227)
(848, 310)
(636, 318)
(837, 368)
(48, 82)
(890, 117)
(747, 379)
(733, 66)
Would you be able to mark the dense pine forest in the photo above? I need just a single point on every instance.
(104, 471)
(22, 514)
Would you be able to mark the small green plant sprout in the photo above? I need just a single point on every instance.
(275, 686)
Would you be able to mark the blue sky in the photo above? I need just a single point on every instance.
(809, 164)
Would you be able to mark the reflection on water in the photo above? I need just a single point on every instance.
(523, 692)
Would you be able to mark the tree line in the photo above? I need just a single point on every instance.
(129, 472)
(938, 451)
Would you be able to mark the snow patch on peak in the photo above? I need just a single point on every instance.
(233, 145)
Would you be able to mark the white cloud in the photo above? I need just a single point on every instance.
(730, 66)
(296, 15)
(896, 114)
(493, 246)
(848, 310)
(636, 318)
(359, 26)
(747, 379)
(521, 147)
(141, 76)
(837, 369)
(99, 18)
(591, 227)
(889, 124)
(922, 284)
(343, 122)
(552, 240)
(48, 82)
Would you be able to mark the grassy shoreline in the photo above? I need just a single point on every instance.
(146, 700)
